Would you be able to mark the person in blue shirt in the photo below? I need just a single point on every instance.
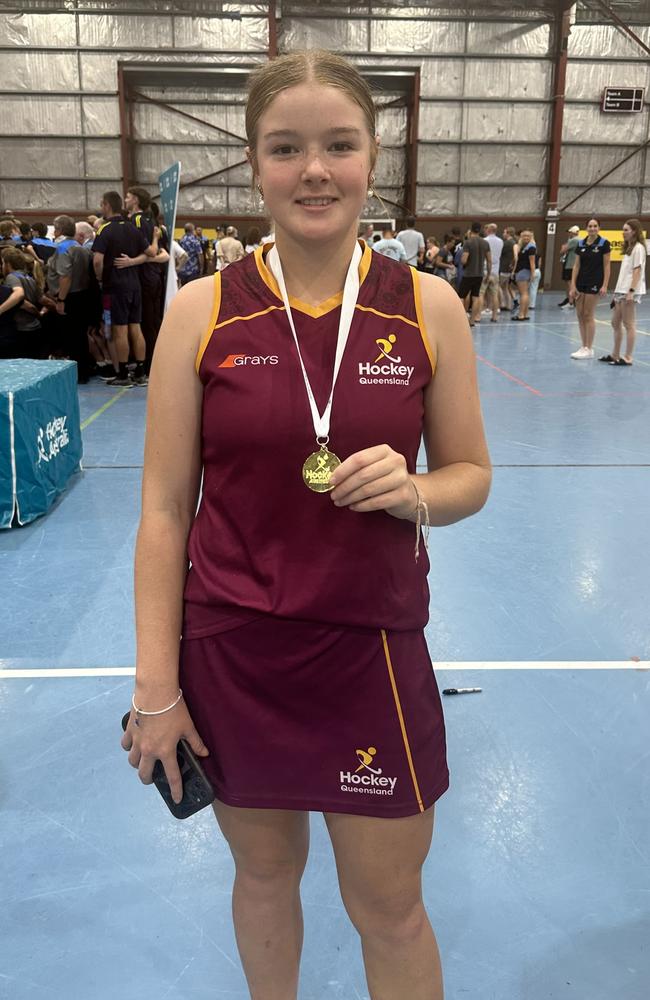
(389, 246)
(193, 247)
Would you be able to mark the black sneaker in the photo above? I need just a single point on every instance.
(564, 302)
(140, 379)
(107, 374)
(119, 383)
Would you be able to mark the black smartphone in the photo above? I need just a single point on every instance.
(197, 790)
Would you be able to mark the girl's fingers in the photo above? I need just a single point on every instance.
(362, 478)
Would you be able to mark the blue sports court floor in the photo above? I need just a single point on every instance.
(538, 881)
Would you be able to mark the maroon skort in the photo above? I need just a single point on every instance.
(304, 716)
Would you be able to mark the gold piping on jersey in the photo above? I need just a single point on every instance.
(323, 307)
(262, 312)
(415, 275)
(401, 720)
(214, 316)
(376, 312)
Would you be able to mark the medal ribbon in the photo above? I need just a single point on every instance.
(350, 295)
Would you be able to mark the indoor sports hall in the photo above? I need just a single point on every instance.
(537, 883)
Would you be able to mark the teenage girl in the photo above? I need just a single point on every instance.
(524, 270)
(589, 281)
(303, 664)
(630, 289)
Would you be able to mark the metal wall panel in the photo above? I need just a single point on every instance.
(39, 157)
(215, 33)
(197, 161)
(391, 126)
(198, 199)
(101, 116)
(50, 30)
(584, 121)
(603, 41)
(508, 122)
(40, 114)
(493, 200)
(437, 200)
(390, 168)
(153, 122)
(586, 81)
(583, 164)
(95, 190)
(103, 158)
(45, 195)
(508, 80)
(315, 33)
(507, 38)
(439, 164)
(440, 121)
(504, 164)
(422, 36)
(601, 200)
(116, 30)
(442, 78)
(39, 71)
(511, 118)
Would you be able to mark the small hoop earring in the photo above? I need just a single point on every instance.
(371, 188)
(261, 195)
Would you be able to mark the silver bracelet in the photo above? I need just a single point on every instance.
(139, 711)
(419, 510)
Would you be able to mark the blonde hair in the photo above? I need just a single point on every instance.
(309, 65)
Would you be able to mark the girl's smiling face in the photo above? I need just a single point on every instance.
(313, 157)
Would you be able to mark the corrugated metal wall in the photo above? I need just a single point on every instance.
(485, 111)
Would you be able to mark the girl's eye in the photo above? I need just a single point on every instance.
(283, 150)
(341, 147)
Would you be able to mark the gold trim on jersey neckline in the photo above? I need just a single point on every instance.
(323, 307)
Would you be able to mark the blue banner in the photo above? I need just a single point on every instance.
(169, 181)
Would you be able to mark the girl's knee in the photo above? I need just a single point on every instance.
(266, 877)
(394, 922)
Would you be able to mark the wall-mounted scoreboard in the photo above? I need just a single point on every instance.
(623, 99)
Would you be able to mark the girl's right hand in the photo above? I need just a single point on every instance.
(155, 737)
(573, 294)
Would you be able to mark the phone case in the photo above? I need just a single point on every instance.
(197, 790)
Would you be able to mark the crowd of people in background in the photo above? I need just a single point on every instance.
(94, 290)
(496, 274)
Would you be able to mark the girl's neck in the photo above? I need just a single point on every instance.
(592, 238)
(315, 272)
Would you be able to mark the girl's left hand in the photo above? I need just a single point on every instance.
(122, 261)
(375, 479)
(603, 291)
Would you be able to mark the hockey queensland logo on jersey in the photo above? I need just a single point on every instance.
(366, 778)
(388, 367)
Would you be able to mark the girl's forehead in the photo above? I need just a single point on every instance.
(315, 104)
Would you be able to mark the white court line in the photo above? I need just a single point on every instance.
(437, 665)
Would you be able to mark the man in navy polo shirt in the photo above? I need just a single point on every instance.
(115, 238)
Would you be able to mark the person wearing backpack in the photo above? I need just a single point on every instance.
(589, 281)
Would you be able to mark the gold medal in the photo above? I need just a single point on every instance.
(318, 469)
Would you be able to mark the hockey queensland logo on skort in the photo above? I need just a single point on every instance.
(387, 368)
(367, 779)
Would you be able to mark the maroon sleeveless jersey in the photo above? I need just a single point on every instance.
(263, 543)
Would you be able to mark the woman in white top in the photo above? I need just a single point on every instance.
(630, 288)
